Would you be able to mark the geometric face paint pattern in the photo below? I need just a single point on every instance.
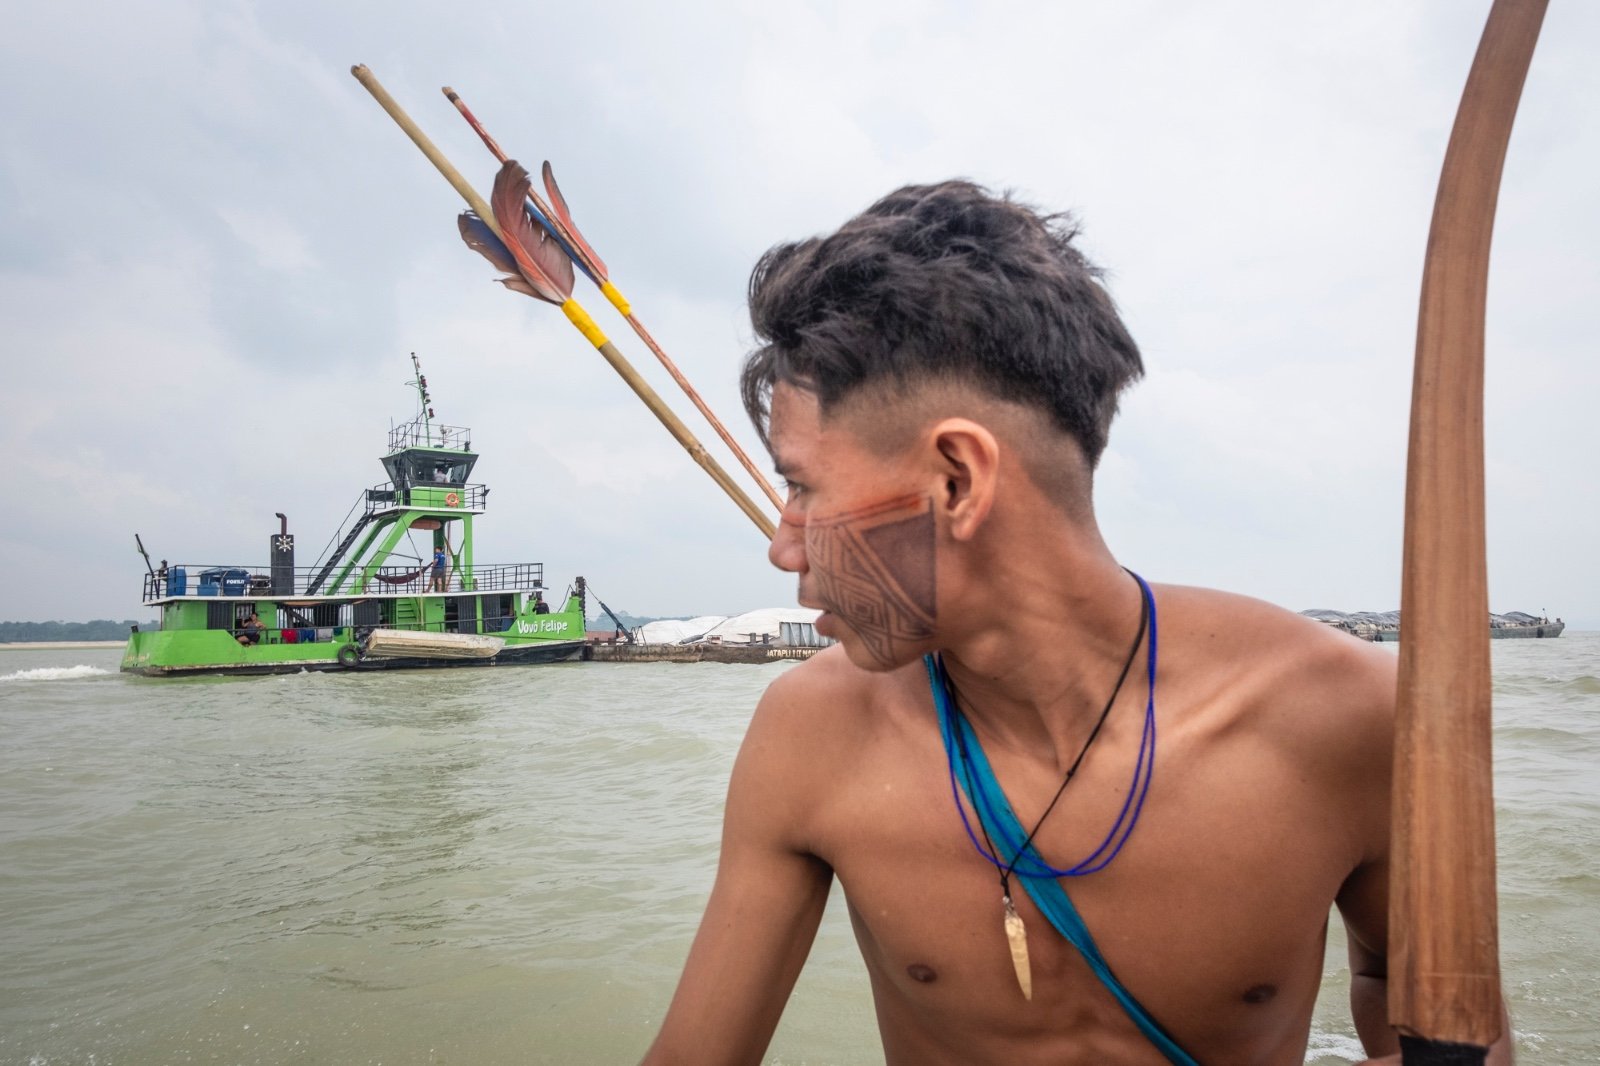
(874, 568)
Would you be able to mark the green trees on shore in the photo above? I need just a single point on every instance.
(99, 629)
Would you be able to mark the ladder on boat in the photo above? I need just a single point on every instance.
(407, 613)
(338, 553)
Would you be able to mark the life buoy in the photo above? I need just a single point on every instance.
(452, 499)
(349, 656)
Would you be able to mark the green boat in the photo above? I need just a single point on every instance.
(370, 603)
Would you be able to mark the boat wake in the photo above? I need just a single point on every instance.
(1333, 1047)
(54, 673)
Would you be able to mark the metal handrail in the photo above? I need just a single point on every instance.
(420, 434)
(433, 495)
(255, 582)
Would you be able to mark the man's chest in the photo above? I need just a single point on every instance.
(1212, 915)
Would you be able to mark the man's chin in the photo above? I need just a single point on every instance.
(858, 651)
(864, 660)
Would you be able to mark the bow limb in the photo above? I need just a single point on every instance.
(1444, 972)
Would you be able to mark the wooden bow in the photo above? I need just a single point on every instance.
(1444, 971)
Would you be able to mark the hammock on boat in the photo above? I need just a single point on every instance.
(402, 579)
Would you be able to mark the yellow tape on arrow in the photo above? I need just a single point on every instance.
(618, 301)
(580, 318)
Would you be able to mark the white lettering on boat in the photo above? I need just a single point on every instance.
(543, 625)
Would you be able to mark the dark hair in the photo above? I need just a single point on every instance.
(943, 282)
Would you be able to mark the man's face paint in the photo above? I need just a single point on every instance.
(873, 567)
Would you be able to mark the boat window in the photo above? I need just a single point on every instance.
(461, 614)
(498, 613)
(428, 467)
(440, 472)
(316, 616)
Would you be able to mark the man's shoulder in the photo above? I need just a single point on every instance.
(813, 730)
(1265, 690)
(830, 692)
(1274, 665)
(1209, 621)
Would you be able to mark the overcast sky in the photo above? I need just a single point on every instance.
(216, 253)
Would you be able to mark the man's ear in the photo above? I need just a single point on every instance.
(968, 459)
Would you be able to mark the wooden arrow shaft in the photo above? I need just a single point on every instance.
(1444, 973)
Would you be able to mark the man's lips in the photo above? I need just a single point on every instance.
(807, 602)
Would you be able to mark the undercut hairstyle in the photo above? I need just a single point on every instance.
(943, 284)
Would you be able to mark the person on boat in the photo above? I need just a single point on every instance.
(441, 568)
(539, 606)
(250, 630)
(1077, 818)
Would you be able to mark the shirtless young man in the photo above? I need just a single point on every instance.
(936, 385)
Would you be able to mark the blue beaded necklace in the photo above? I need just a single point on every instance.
(969, 767)
(1025, 861)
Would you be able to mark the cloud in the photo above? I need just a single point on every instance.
(216, 254)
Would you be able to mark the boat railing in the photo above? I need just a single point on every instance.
(507, 577)
(265, 583)
(440, 496)
(421, 434)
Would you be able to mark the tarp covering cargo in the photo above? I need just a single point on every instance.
(676, 630)
(764, 626)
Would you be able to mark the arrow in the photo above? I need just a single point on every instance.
(533, 273)
(558, 223)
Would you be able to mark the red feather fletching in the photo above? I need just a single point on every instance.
(539, 258)
(559, 203)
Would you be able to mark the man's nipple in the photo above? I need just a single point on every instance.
(1260, 993)
(922, 973)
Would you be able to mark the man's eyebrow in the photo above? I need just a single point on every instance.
(782, 466)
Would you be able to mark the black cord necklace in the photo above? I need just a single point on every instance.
(1014, 930)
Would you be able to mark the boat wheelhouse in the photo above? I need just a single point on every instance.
(377, 599)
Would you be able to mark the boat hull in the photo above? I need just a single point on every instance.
(292, 659)
(1543, 631)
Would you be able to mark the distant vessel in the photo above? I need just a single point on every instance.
(1384, 626)
(368, 605)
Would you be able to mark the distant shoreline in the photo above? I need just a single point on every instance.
(48, 644)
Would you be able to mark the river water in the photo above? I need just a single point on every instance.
(506, 866)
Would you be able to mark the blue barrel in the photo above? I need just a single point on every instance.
(177, 581)
(234, 582)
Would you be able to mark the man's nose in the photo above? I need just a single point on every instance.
(788, 549)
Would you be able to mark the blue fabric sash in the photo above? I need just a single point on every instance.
(1048, 895)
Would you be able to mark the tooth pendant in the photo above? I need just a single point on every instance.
(1017, 937)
